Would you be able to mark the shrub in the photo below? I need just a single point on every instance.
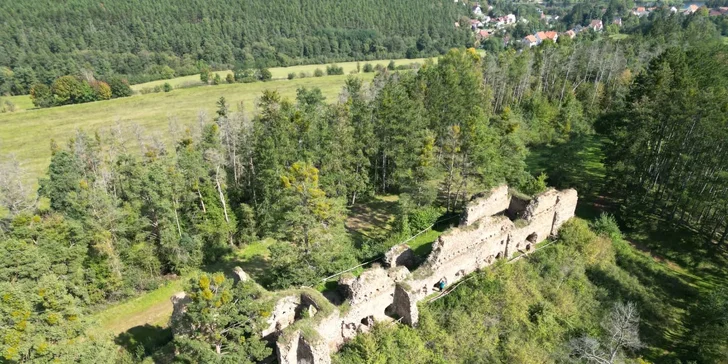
(167, 87)
(7, 106)
(157, 88)
(368, 68)
(291, 75)
(102, 90)
(119, 87)
(230, 78)
(303, 75)
(421, 218)
(264, 74)
(533, 186)
(217, 79)
(41, 95)
(607, 225)
(205, 74)
(391, 66)
(333, 69)
(67, 90)
(318, 72)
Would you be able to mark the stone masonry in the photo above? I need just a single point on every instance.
(494, 225)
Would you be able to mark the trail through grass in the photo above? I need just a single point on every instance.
(154, 307)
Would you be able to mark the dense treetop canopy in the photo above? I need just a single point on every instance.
(145, 39)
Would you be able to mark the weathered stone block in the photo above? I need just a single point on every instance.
(485, 204)
(283, 314)
(405, 305)
(400, 255)
(299, 350)
(240, 275)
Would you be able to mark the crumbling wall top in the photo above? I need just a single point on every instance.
(485, 204)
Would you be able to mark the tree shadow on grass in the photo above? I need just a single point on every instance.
(660, 322)
(144, 340)
(255, 266)
(684, 246)
(579, 164)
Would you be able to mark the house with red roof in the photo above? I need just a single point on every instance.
(596, 25)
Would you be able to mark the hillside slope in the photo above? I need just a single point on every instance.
(145, 39)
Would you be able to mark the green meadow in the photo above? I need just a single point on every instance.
(28, 134)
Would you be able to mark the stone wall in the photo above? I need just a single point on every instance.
(494, 226)
(485, 204)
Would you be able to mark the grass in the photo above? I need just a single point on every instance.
(28, 134)
(374, 217)
(21, 102)
(279, 73)
(153, 308)
(579, 164)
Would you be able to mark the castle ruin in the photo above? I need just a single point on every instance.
(495, 225)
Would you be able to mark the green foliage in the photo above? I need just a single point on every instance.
(41, 95)
(668, 140)
(291, 75)
(534, 186)
(422, 218)
(706, 341)
(142, 46)
(119, 87)
(318, 73)
(368, 68)
(333, 69)
(167, 87)
(205, 73)
(217, 79)
(221, 323)
(264, 74)
(529, 311)
(607, 225)
(230, 78)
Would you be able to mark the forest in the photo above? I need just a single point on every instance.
(119, 213)
(144, 40)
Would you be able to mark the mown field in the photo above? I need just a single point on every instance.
(279, 73)
(27, 134)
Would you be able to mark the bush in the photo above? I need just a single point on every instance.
(533, 186)
(291, 75)
(6, 106)
(318, 73)
(303, 75)
(333, 69)
(264, 74)
(368, 68)
(41, 95)
(422, 218)
(102, 90)
(391, 66)
(157, 88)
(217, 79)
(167, 87)
(607, 225)
(205, 74)
(230, 78)
(119, 87)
